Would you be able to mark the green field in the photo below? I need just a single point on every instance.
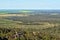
(33, 27)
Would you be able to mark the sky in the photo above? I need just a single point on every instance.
(29, 4)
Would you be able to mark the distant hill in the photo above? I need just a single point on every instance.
(30, 11)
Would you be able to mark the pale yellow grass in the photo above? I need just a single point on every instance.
(14, 15)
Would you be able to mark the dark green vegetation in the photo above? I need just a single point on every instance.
(31, 27)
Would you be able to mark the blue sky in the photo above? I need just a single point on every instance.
(29, 4)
